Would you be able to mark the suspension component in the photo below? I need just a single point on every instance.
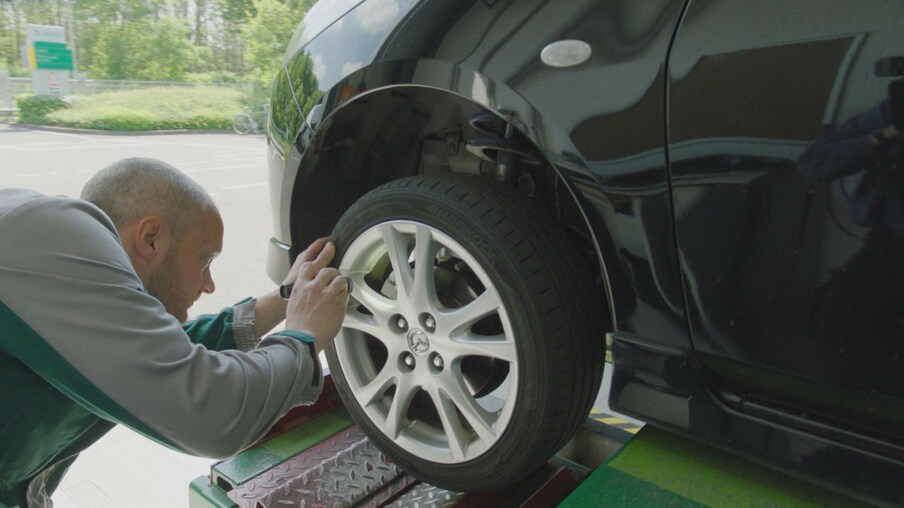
(501, 145)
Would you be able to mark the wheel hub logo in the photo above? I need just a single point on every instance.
(418, 342)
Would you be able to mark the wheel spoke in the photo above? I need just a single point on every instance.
(370, 325)
(499, 347)
(425, 250)
(479, 418)
(455, 433)
(398, 411)
(460, 319)
(362, 322)
(373, 391)
(397, 248)
(380, 306)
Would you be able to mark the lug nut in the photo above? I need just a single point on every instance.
(409, 360)
(438, 361)
(402, 323)
(430, 322)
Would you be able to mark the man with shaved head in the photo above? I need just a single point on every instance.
(94, 299)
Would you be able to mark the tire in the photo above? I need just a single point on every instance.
(243, 124)
(471, 373)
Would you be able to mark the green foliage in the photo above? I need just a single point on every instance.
(214, 77)
(304, 82)
(118, 11)
(34, 109)
(157, 51)
(266, 36)
(237, 12)
(202, 41)
(201, 108)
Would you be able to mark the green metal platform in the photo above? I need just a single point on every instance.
(661, 469)
(654, 468)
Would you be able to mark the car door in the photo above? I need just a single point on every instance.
(788, 212)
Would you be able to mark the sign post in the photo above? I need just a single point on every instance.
(49, 59)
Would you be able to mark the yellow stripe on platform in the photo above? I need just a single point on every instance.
(614, 421)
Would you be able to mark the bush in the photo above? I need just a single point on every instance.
(200, 108)
(34, 109)
(213, 78)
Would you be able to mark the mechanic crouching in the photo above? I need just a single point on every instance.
(94, 297)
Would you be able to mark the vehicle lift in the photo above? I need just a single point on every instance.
(316, 456)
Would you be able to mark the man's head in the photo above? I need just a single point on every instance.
(168, 225)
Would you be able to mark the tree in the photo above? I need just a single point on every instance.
(161, 39)
(157, 50)
(266, 36)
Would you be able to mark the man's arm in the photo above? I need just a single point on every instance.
(269, 311)
(231, 328)
(242, 325)
(104, 342)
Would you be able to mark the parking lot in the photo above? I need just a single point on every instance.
(125, 469)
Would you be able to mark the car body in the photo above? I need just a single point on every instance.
(722, 163)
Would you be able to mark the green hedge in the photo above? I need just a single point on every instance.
(34, 109)
(199, 108)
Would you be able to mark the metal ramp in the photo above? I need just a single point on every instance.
(318, 457)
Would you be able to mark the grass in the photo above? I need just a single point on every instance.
(200, 108)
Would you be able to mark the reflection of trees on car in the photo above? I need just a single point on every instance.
(304, 82)
(288, 108)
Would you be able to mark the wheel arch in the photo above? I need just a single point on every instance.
(345, 153)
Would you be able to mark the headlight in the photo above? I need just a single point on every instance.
(323, 14)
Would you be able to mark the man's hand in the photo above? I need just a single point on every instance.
(308, 256)
(318, 300)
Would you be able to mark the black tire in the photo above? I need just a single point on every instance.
(547, 296)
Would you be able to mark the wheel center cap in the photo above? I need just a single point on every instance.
(418, 342)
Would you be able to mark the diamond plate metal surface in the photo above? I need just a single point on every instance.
(343, 470)
(423, 495)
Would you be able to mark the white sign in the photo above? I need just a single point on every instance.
(44, 82)
(47, 82)
(44, 33)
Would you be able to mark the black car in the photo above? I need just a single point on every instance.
(713, 186)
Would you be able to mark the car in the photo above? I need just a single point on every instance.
(711, 187)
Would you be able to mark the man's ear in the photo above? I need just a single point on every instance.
(151, 239)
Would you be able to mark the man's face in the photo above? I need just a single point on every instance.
(184, 273)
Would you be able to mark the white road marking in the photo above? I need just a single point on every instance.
(239, 150)
(76, 136)
(245, 186)
(225, 168)
(40, 147)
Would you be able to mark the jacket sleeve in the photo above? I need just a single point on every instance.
(231, 328)
(104, 342)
